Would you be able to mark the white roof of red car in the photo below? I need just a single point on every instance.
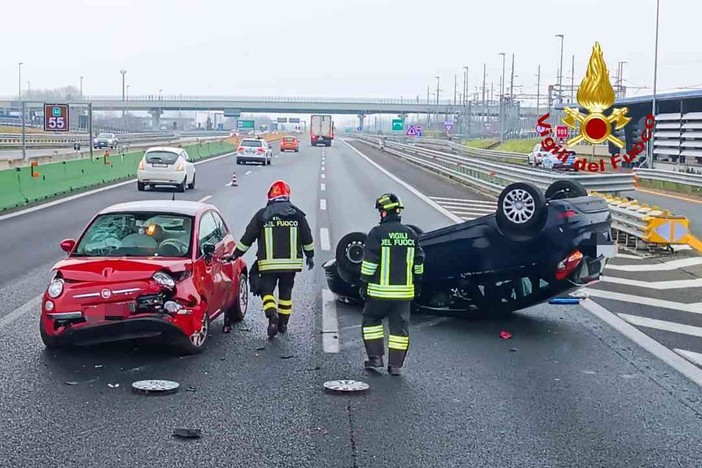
(181, 207)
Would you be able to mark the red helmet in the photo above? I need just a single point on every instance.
(279, 188)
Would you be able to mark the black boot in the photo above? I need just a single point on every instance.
(393, 370)
(272, 324)
(374, 362)
(283, 323)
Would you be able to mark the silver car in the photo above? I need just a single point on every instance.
(254, 150)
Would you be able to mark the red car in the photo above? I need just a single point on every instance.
(290, 143)
(145, 269)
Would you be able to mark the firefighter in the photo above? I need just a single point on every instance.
(283, 234)
(391, 275)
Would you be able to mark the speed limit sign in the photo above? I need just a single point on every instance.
(56, 117)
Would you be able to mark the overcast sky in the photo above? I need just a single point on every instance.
(378, 48)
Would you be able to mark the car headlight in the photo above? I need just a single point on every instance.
(164, 279)
(55, 288)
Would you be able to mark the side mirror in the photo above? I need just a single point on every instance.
(67, 245)
(208, 250)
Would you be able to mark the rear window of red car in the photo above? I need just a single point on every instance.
(289, 139)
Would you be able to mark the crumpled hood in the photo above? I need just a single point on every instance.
(117, 269)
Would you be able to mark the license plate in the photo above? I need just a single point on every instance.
(607, 250)
(159, 165)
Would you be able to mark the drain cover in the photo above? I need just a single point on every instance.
(155, 387)
(346, 386)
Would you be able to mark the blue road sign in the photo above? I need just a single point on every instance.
(419, 130)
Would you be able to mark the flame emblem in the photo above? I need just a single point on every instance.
(596, 95)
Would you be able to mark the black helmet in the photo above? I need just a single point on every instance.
(388, 202)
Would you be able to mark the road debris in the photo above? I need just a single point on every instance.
(505, 335)
(155, 387)
(187, 433)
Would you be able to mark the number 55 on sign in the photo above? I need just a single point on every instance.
(56, 117)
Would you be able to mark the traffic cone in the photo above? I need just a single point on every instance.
(234, 184)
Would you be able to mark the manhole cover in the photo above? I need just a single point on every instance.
(156, 387)
(346, 386)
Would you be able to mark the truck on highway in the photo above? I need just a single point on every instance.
(321, 130)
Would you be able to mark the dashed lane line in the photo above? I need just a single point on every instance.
(324, 239)
(663, 325)
(91, 192)
(694, 308)
(204, 199)
(323, 187)
(248, 172)
(323, 176)
(678, 363)
(322, 204)
(330, 323)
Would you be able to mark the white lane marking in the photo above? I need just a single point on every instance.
(330, 323)
(658, 285)
(663, 325)
(204, 199)
(449, 200)
(472, 212)
(322, 204)
(323, 186)
(467, 203)
(630, 257)
(324, 239)
(416, 192)
(324, 176)
(694, 308)
(33, 304)
(91, 192)
(277, 155)
(248, 172)
(667, 266)
(690, 355)
(646, 342)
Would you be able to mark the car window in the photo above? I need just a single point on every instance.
(209, 232)
(161, 157)
(186, 155)
(138, 234)
(289, 139)
(251, 143)
(221, 225)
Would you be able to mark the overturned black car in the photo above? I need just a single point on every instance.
(535, 247)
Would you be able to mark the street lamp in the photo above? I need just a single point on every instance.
(81, 87)
(159, 94)
(502, 92)
(19, 87)
(655, 82)
(128, 92)
(560, 72)
(123, 72)
(438, 79)
(465, 85)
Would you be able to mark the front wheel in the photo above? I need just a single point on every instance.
(561, 189)
(237, 312)
(195, 343)
(521, 210)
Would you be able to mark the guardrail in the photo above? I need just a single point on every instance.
(492, 176)
(470, 151)
(693, 180)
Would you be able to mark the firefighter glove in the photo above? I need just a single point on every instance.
(363, 291)
(310, 263)
(417, 290)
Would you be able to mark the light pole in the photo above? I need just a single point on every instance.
(127, 96)
(123, 72)
(655, 82)
(560, 72)
(438, 79)
(465, 85)
(159, 94)
(19, 87)
(81, 87)
(502, 92)
(29, 88)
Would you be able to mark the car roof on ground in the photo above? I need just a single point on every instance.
(169, 149)
(180, 207)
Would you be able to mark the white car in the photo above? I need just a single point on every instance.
(536, 157)
(254, 150)
(166, 166)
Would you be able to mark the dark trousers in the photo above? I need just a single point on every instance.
(285, 281)
(398, 313)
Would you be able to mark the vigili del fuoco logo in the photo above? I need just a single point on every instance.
(596, 95)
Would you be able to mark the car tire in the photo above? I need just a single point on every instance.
(237, 312)
(349, 256)
(141, 186)
(193, 344)
(521, 209)
(51, 342)
(181, 188)
(191, 185)
(561, 189)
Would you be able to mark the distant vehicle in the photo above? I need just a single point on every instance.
(550, 161)
(290, 143)
(321, 130)
(146, 269)
(536, 156)
(105, 140)
(166, 166)
(254, 150)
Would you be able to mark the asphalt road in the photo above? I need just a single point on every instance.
(566, 390)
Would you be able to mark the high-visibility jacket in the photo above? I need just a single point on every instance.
(393, 261)
(283, 235)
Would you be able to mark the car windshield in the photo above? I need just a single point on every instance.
(161, 157)
(251, 143)
(137, 235)
(105, 135)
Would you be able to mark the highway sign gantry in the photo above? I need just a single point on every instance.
(56, 117)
